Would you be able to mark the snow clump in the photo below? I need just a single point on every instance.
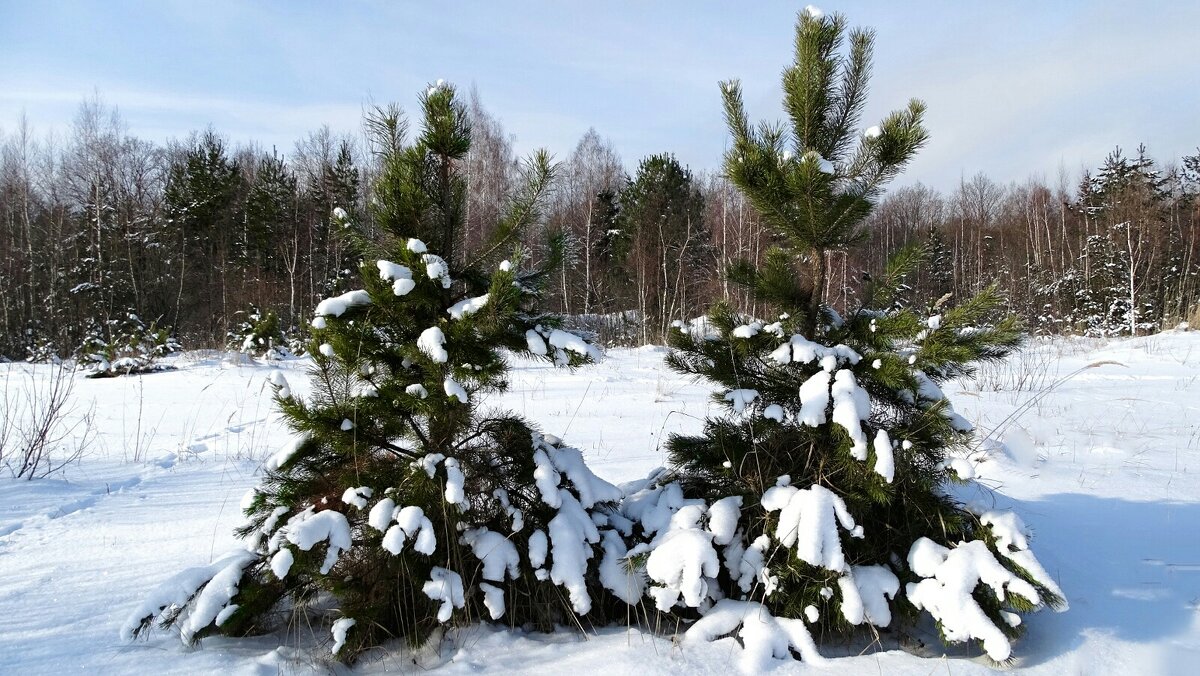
(337, 306)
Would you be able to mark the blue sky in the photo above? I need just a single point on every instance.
(1013, 88)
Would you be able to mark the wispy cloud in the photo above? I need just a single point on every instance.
(1012, 88)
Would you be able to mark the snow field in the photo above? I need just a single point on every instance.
(1104, 470)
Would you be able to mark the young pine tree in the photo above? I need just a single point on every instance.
(404, 506)
(258, 334)
(826, 486)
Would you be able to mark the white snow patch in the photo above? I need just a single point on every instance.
(493, 600)
(399, 275)
(684, 562)
(572, 534)
(339, 629)
(437, 269)
(765, 639)
(357, 496)
(536, 344)
(284, 454)
(723, 518)
(497, 553)
(951, 575)
(740, 398)
(221, 578)
(814, 399)
(411, 524)
(808, 520)
(446, 586)
(308, 528)
(380, 515)
(453, 389)
(866, 591)
(467, 306)
(851, 405)
(454, 492)
(565, 340)
(885, 461)
(432, 342)
(336, 306)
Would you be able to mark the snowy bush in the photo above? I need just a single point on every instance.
(125, 346)
(259, 335)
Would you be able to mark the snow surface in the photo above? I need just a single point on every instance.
(1104, 471)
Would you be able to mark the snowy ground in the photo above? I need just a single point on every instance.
(1105, 468)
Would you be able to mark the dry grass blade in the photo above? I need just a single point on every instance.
(1021, 410)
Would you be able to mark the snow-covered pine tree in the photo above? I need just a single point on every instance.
(124, 346)
(403, 506)
(258, 334)
(825, 490)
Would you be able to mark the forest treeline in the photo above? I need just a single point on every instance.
(197, 235)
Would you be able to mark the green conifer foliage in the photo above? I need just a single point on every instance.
(123, 346)
(404, 505)
(258, 334)
(837, 440)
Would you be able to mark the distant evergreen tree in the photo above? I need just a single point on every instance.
(1127, 202)
(404, 505)
(825, 488)
(270, 208)
(200, 204)
(336, 197)
(258, 334)
(940, 265)
(661, 242)
(124, 346)
(606, 222)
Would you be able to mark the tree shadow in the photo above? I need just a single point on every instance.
(1130, 570)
